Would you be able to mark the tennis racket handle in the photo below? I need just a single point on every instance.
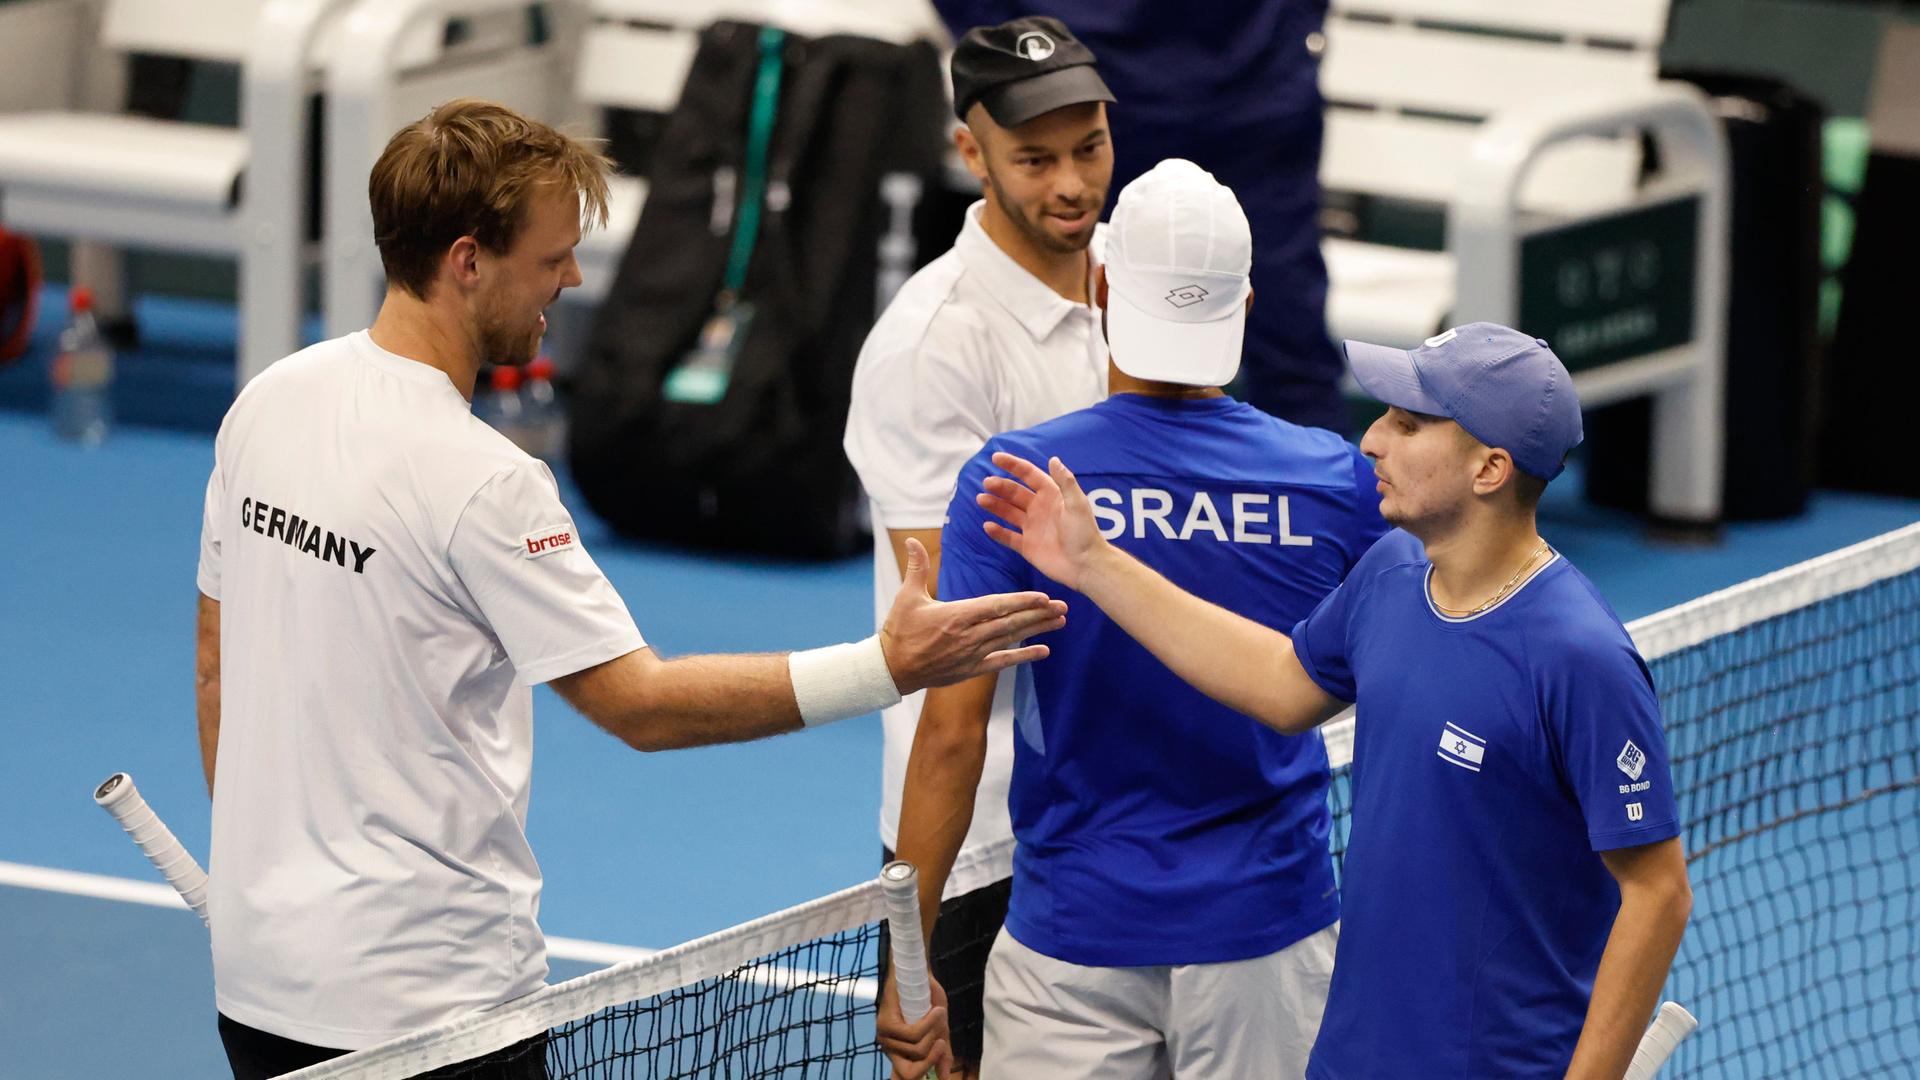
(901, 884)
(118, 796)
(1670, 1026)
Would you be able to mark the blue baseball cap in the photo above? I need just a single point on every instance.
(1506, 388)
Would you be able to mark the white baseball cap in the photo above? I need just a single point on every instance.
(1178, 254)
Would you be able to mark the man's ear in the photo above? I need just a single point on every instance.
(1100, 286)
(1496, 472)
(463, 261)
(971, 152)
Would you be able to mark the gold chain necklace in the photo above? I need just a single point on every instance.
(1513, 581)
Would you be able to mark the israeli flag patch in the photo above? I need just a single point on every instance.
(1461, 747)
(1631, 761)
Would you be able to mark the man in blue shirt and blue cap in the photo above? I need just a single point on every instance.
(1173, 910)
(1515, 885)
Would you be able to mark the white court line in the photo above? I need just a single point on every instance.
(154, 894)
(98, 886)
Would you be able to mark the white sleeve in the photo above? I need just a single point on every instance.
(920, 410)
(518, 553)
(211, 535)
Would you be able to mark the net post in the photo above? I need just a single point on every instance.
(900, 883)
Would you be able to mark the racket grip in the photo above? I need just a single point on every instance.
(901, 884)
(1670, 1026)
(118, 796)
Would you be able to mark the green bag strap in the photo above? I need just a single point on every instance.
(766, 104)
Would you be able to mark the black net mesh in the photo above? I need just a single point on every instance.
(805, 1011)
(1796, 752)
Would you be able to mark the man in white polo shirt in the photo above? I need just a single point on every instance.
(383, 579)
(998, 333)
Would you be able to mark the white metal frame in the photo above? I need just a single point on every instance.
(1485, 230)
(263, 229)
(1534, 162)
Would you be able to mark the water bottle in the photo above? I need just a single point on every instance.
(83, 377)
(508, 408)
(546, 422)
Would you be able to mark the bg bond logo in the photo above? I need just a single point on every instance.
(1631, 760)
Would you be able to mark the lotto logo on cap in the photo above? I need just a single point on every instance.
(1178, 256)
(1186, 294)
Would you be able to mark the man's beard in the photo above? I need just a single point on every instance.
(1037, 232)
(509, 346)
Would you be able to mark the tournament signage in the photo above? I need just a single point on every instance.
(1612, 288)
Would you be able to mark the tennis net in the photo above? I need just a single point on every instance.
(1792, 706)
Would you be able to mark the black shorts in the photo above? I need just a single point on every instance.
(962, 938)
(256, 1055)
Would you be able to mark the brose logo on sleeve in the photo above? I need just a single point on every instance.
(548, 540)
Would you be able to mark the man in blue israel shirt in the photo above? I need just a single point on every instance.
(1515, 885)
(1174, 908)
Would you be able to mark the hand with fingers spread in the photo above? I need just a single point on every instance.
(920, 1049)
(1051, 521)
(930, 643)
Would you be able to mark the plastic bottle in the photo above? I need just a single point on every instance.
(83, 377)
(546, 422)
(502, 405)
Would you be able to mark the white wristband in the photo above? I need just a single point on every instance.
(841, 681)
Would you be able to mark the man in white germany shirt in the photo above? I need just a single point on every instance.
(996, 334)
(384, 578)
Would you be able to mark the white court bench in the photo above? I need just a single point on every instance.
(130, 181)
(137, 182)
(1524, 119)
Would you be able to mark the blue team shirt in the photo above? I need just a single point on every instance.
(1494, 757)
(1155, 826)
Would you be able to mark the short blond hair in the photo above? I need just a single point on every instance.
(469, 168)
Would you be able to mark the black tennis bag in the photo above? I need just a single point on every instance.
(757, 465)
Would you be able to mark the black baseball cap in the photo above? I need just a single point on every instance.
(1022, 68)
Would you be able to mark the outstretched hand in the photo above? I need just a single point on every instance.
(931, 643)
(1051, 521)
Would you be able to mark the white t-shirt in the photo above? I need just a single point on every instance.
(393, 577)
(973, 345)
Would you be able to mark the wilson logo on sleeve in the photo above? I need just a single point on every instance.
(547, 541)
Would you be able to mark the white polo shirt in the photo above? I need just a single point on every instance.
(973, 345)
(393, 577)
